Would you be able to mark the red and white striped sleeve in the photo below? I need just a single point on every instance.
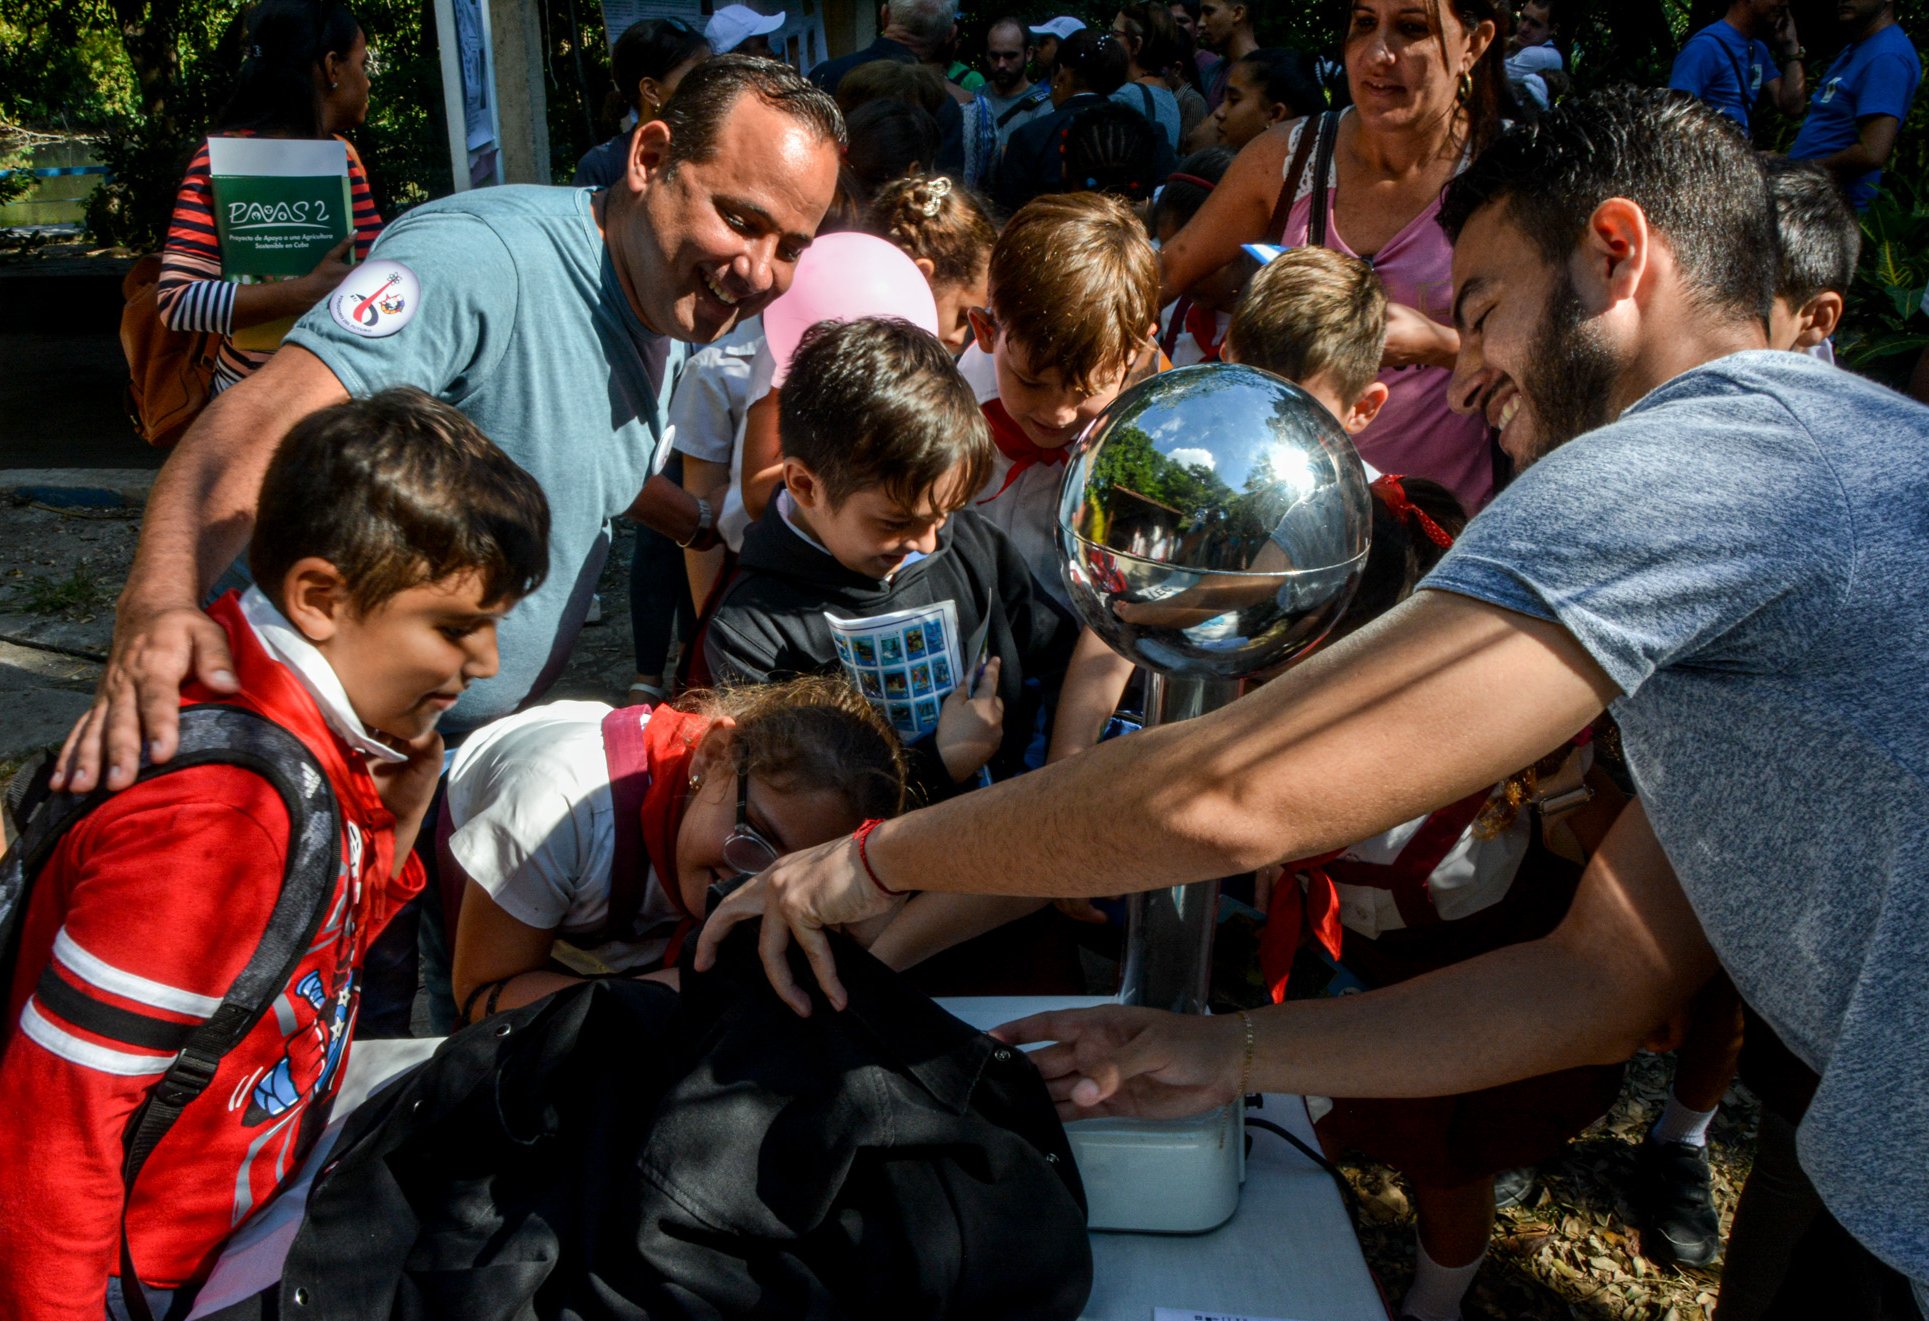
(191, 294)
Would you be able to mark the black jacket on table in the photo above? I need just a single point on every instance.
(769, 623)
(615, 1152)
(1034, 160)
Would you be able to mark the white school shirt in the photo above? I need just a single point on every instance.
(535, 827)
(1187, 351)
(706, 418)
(1027, 510)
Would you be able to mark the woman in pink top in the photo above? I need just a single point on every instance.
(1428, 85)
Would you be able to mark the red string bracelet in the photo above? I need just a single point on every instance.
(862, 835)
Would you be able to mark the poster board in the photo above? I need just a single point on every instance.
(465, 41)
(280, 205)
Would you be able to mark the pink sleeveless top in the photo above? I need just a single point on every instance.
(1416, 434)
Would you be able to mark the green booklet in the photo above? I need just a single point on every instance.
(279, 205)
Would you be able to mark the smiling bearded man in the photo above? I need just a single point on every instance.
(1736, 564)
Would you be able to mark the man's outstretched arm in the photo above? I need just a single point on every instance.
(1629, 954)
(199, 517)
(1442, 696)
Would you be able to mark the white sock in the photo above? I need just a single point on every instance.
(1437, 1290)
(1680, 1124)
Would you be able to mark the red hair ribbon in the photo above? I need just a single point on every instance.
(1192, 179)
(1390, 489)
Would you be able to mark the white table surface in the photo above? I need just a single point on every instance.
(1288, 1253)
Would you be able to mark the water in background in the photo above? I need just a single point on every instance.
(60, 200)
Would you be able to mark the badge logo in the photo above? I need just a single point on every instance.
(376, 300)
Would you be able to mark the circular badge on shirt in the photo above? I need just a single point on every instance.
(377, 299)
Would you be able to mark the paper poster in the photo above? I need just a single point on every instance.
(279, 205)
(905, 662)
(620, 15)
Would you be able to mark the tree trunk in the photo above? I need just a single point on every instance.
(150, 34)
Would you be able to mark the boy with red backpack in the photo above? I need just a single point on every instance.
(188, 949)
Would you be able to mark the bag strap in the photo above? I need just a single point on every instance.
(1177, 325)
(1029, 100)
(626, 757)
(1741, 77)
(1409, 876)
(1329, 134)
(221, 735)
(1289, 189)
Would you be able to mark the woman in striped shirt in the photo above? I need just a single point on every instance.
(305, 76)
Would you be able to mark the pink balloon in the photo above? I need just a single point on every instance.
(842, 277)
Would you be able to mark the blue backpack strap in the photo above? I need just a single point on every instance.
(984, 142)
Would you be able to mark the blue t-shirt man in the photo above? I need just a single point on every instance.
(1877, 75)
(1745, 553)
(521, 323)
(1726, 69)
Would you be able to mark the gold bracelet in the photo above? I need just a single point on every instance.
(1246, 1065)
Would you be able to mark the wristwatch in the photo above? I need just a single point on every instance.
(1797, 56)
(706, 522)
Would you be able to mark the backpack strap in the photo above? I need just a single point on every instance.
(1408, 876)
(628, 761)
(1030, 100)
(1741, 78)
(1176, 327)
(218, 735)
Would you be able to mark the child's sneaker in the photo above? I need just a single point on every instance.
(1674, 1203)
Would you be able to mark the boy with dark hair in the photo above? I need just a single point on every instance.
(867, 559)
(1819, 242)
(392, 538)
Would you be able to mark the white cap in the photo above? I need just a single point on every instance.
(733, 25)
(1061, 27)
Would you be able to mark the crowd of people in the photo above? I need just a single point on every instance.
(1610, 749)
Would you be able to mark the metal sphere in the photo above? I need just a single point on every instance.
(1215, 523)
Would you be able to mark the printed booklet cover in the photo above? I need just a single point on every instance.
(906, 662)
(279, 205)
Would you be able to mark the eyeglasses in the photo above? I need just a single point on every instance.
(746, 851)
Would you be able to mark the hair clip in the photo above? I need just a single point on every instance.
(936, 190)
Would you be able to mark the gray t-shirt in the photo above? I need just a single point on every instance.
(1035, 106)
(1746, 554)
(521, 324)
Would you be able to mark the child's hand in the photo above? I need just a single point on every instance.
(407, 787)
(971, 725)
(1082, 910)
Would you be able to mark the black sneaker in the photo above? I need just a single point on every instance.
(1513, 1187)
(1674, 1204)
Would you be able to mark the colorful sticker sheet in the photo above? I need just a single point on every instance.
(905, 662)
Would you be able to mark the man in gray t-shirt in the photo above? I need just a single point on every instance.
(1725, 546)
(546, 315)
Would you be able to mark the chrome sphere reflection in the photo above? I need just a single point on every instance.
(1215, 523)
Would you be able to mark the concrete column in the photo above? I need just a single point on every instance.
(521, 80)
